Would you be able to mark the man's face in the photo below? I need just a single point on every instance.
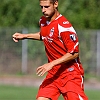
(48, 8)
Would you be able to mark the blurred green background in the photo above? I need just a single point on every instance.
(83, 14)
(23, 16)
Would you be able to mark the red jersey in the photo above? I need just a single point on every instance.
(59, 38)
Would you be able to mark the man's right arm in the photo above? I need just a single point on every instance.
(20, 36)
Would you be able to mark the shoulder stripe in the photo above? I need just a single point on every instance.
(58, 17)
(63, 29)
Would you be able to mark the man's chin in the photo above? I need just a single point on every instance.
(47, 17)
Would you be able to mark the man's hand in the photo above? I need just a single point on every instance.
(44, 68)
(64, 59)
(17, 37)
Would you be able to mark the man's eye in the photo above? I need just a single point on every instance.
(41, 6)
(46, 6)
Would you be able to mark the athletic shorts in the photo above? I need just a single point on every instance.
(71, 88)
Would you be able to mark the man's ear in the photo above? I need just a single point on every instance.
(56, 4)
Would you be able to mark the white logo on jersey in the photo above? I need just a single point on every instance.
(70, 69)
(42, 24)
(47, 22)
(66, 22)
(47, 39)
(73, 37)
(51, 32)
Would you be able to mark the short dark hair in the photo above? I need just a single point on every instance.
(52, 1)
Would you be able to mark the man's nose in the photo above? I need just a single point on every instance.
(43, 9)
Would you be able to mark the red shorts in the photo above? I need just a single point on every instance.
(70, 87)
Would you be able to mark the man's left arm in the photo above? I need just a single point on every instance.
(48, 66)
(66, 58)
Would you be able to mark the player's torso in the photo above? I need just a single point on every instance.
(54, 46)
(49, 32)
(50, 36)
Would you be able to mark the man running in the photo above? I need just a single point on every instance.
(64, 69)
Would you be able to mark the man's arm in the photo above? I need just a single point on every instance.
(20, 36)
(64, 59)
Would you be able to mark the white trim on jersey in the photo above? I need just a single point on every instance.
(80, 97)
(75, 46)
(82, 81)
(63, 29)
(58, 17)
(77, 64)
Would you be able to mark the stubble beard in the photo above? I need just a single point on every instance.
(49, 17)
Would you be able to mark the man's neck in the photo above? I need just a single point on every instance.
(56, 14)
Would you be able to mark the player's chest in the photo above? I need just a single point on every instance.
(49, 33)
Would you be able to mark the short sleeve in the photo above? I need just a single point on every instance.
(70, 41)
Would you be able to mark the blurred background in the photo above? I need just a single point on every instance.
(18, 61)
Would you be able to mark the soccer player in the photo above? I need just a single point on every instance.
(64, 69)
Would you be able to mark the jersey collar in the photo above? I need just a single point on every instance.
(47, 22)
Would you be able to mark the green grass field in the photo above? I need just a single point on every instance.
(29, 93)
